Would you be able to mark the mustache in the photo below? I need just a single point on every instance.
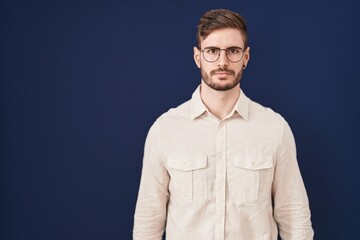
(213, 72)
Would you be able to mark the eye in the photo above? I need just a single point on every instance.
(233, 50)
(212, 51)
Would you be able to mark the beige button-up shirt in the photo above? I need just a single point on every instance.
(231, 179)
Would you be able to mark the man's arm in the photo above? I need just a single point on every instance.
(291, 204)
(150, 213)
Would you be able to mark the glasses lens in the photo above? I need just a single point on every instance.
(211, 54)
(234, 54)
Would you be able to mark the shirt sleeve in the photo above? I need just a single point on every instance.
(150, 212)
(291, 205)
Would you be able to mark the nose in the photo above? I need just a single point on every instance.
(223, 60)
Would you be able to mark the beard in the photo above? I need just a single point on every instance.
(221, 86)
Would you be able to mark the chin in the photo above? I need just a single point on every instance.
(222, 86)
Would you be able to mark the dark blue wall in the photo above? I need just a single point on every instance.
(81, 83)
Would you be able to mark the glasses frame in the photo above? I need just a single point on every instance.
(221, 49)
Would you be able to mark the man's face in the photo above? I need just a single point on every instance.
(222, 74)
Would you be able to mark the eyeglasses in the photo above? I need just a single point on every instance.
(233, 54)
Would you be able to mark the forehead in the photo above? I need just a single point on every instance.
(224, 38)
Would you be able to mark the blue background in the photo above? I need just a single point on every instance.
(82, 82)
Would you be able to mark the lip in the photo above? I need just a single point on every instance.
(222, 73)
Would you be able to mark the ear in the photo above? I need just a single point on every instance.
(246, 56)
(197, 57)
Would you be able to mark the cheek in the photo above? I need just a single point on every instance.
(238, 68)
(206, 67)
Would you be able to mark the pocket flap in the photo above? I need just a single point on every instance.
(253, 162)
(187, 163)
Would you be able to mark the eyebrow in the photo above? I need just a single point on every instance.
(223, 48)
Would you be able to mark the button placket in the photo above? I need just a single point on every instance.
(220, 181)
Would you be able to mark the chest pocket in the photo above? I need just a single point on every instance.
(188, 178)
(252, 172)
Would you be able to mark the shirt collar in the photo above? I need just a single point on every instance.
(242, 105)
(198, 107)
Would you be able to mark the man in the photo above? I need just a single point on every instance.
(220, 166)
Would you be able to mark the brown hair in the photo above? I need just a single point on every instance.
(219, 19)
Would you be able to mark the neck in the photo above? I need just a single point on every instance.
(219, 103)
